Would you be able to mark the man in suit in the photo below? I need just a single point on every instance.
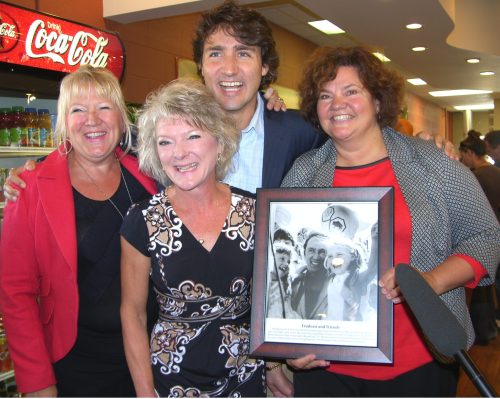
(236, 57)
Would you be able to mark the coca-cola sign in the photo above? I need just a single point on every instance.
(41, 40)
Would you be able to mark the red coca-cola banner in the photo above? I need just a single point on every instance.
(41, 40)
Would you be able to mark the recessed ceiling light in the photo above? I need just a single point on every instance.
(381, 56)
(473, 60)
(475, 107)
(419, 48)
(414, 26)
(417, 82)
(463, 92)
(326, 27)
(487, 73)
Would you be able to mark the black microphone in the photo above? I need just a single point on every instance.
(439, 324)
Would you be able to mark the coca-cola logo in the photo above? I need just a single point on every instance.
(9, 33)
(38, 40)
(79, 49)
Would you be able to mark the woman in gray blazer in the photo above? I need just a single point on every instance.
(443, 224)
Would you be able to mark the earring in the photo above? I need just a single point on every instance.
(65, 144)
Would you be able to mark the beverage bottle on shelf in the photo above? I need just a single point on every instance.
(17, 126)
(30, 118)
(24, 133)
(4, 127)
(45, 127)
(33, 129)
(53, 122)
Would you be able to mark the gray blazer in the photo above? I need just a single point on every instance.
(449, 211)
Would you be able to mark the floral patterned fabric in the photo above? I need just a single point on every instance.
(199, 344)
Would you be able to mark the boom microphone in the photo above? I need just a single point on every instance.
(439, 324)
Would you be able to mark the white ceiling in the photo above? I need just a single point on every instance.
(453, 30)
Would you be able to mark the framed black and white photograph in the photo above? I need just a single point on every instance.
(319, 254)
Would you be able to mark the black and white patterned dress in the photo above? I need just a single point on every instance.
(199, 345)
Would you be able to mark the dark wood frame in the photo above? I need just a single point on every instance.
(383, 352)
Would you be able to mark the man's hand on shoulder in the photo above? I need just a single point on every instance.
(274, 101)
(441, 143)
(13, 184)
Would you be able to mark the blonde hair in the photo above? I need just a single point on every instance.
(79, 83)
(188, 100)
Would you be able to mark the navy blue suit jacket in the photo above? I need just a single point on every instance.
(286, 136)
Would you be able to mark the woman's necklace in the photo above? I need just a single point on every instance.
(199, 237)
(105, 195)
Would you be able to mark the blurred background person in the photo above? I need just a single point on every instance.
(492, 140)
(443, 223)
(473, 155)
(60, 249)
(482, 301)
(195, 241)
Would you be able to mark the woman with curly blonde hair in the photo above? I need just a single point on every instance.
(195, 241)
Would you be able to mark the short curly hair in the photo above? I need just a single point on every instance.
(384, 85)
(245, 25)
(188, 100)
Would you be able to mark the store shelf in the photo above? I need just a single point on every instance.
(6, 375)
(24, 151)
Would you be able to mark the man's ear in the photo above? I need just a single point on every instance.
(265, 70)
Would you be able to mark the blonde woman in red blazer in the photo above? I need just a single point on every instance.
(53, 295)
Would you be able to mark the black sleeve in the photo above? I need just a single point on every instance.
(134, 230)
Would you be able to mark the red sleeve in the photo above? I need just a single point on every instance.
(19, 292)
(479, 270)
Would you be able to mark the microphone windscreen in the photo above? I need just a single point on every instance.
(435, 319)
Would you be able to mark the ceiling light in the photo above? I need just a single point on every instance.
(487, 73)
(326, 27)
(473, 60)
(475, 107)
(416, 82)
(419, 48)
(381, 56)
(30, 97)
(413, 26)
(463, 92)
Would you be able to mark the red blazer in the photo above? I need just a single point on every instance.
(38, 270)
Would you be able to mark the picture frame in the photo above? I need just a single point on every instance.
(333, 233)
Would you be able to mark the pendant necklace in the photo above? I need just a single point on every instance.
(102, 192)
(201, 240)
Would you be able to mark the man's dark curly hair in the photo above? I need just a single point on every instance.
(245, 25)
(384, 85)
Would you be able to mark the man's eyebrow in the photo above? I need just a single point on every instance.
(245, 47)
(214, 47)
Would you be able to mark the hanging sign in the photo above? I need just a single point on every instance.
(40, 40)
